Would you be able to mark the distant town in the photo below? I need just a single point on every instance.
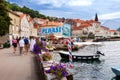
(34, 46)
(24, 25)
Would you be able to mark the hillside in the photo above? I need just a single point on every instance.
(26, 10)
(112, 24)
(118, 29)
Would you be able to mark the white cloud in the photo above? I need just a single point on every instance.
(60, 3)
(80, 2)
(110, 16)
(55, 13)
(115, 0)
(55, 3)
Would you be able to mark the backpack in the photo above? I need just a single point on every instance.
(26, 41)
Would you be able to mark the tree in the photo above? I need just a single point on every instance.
(15, 7)
(4, 18)
(91, 35)
(115, 33)
(26, 10)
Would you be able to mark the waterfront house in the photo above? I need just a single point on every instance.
(24, 25)
(14, 26)
(37, 23)
(114, 33)
(33, 29)
(105, 32)
(82, 30)
(91, 26)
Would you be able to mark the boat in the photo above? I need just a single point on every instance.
(89, 52)
(88, 43)
(116, 71)
(65, 55)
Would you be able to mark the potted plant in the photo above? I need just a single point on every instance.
(46, 56)
(58, 70)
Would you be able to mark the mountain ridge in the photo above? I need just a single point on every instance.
(112, 24)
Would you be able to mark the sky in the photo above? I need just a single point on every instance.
(82, 9)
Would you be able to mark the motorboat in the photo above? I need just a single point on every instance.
(116, 70)
(65, 55)
(89, 52)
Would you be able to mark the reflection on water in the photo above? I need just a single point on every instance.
(81, 61)
(101, 69)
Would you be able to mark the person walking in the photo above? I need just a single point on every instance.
(32, 43)
(21, 45)
(14, 43)
(27, 44)
(18, 38)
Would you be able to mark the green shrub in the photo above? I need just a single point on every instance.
(5, 45)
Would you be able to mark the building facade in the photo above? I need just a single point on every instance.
(15, 24)
(24, 26)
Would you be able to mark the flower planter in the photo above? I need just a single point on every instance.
(64, 78)
(53, 77)
(59, 71)
(69, 77)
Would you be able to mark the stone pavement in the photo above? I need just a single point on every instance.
(16, 67)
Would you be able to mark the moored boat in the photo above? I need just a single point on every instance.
(89, 52)
(116, 70)
(65, 55)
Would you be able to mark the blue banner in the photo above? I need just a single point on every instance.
(66, 31)
(51, 30)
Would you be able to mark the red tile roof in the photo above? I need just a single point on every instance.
(106, 28)
(76, 28)
(53, 23)
(92, 21)
(78, 20)
(21, 16)
(112, 30)
(83, 25)
(13, 12)
(30, 20)
(36, 25)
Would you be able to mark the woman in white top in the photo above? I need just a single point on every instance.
(32, 43)
(21, 44)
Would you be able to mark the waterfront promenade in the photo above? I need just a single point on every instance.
(16, 67)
